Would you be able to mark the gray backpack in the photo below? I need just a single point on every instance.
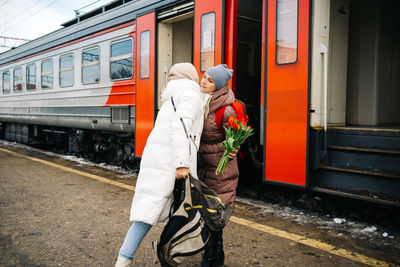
(213, 211)
(185, 233)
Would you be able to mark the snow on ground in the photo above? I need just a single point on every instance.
(375, 234)
(81, 161)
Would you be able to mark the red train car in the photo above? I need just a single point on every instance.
(324, 107)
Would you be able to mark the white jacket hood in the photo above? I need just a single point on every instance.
(175, 86)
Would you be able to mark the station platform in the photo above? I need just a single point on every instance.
(56, 212)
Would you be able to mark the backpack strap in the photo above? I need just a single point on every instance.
(219, 115)
(240, 110)
(184, 128)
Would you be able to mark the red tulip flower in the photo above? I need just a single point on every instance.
(236, 134)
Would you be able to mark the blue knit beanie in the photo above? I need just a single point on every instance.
(220, 74)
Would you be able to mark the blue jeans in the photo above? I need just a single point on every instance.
(134, 237)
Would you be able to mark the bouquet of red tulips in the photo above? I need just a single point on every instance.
(236, 134)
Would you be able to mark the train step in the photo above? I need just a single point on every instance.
(360, 161)
(370, 150)
(360, 171)
(368, 138)
(367, 159)
(369, 198)
(370, 184)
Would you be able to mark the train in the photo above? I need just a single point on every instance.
(320, 79)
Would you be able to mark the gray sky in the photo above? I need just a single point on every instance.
(30, 19)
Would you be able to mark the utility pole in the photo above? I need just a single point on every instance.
(11, 42)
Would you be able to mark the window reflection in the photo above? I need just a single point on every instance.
(17, 80)
(121, 61)
(6, 82)
(47, 74)
(145, 54)
(66, 71)
(286, 31)
(207, 50)
(90, 66)
(31, 77)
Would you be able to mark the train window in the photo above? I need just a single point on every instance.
(31, 76)
(47, 74)
(145, 54)
(207, 50)
(91, 66)
(121, 60)
(17, 80)
(67, 71)
(6, 82)
(286, 31)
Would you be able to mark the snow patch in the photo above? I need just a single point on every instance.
(369, 229)
(81, 161)
(325, 222)
(339, 220)
(387, 235)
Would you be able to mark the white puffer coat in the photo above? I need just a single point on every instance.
(168, 148)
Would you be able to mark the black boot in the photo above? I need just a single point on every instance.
(213, 254)
(220, 249)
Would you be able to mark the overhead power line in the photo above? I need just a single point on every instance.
(4, 3)
(11, 42)
(19, 14)
(37, 12)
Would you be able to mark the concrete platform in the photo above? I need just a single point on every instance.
(52, 215)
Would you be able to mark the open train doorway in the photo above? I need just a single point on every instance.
(356, 48)
(174, 41)
(373, 90)
(364, 64)
(247, 84)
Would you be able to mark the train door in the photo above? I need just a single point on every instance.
(208, 34)
(145, 80)
(285, 92)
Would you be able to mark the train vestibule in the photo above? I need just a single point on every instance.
(355, 92)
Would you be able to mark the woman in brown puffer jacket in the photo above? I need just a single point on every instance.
(214, 83)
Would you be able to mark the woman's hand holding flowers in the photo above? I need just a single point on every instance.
(236, 134)
(233, 154)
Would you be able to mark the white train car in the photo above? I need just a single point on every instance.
(70, 85)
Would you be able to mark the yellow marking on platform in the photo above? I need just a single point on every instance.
(257, 226)
(92, 176)
(311, 242)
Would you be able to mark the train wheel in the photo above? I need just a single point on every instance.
(132, 165)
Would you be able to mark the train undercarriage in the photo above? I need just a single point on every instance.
(98, 146)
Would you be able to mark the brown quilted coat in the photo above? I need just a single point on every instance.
(224, 184)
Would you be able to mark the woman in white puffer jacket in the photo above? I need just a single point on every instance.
(169, 154)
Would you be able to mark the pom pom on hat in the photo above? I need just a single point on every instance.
(220, 74)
